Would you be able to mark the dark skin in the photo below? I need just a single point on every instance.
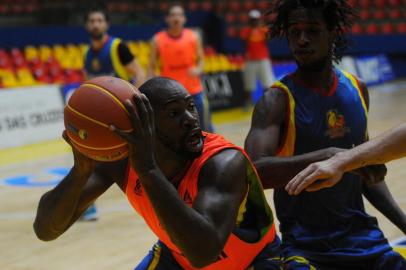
(200, 231)
(311, 44)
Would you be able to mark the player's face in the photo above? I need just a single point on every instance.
(177, 124)
(96, 25)
(309, 39)
(176, 17)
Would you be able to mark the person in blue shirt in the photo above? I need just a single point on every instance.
(308, 116)
(107, 55)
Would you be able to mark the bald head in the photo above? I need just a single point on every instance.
(161, 90)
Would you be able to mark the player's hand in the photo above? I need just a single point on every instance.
(83, 165)
(141, 140)
(195, 71)
(372, 174)
(316, 176)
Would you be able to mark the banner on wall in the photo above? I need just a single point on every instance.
(374, 69)
(30, 115)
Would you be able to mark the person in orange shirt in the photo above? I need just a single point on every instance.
(257, 60)
(198, 193)
(179, 52)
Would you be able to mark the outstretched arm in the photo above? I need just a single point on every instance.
(265, 137)
(60, 207)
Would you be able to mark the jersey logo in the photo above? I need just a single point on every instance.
(96, 66)
(138, 188)
(187, 198)
(336, 125)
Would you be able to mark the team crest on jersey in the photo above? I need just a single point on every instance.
(96, 66)
(336, 125)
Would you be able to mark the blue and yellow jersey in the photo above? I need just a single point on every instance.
(330, 223)
(105, 61)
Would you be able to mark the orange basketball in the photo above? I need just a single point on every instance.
(92, 108)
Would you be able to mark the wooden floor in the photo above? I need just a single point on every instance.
(120, 239)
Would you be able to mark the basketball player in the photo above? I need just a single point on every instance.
(180, 53)
(384, 148)
(197, 192)
(107, 55)
(307, 117)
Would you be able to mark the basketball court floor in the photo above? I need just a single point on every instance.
(120, 239)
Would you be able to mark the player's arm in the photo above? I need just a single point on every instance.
(198, 69)
(153, 58)
(201, 232)
(265, 137)
(378, 194)
(60, 207)
(129, 61)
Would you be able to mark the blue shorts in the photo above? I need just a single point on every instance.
(390, 260)
(160, 258)
(203, 108)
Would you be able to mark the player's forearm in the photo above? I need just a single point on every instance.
(276, 172)
(386, 147)
(381, 198)
(58, 206)
(189, 230)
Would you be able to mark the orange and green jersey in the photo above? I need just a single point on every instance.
(254, 217)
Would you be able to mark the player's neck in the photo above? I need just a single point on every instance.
(99, 43)
(322, 79)
(175, 32)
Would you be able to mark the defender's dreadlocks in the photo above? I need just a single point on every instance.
(338, 15)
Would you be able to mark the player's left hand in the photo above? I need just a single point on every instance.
(142, 139)
(316, 176)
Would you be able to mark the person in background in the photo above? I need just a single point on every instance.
(257, 59)
(107, 55)
(179, 52)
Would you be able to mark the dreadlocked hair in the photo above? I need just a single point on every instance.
(338, 15)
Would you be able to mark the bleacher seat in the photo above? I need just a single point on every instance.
(356, 29)
(394, 14)
(379, 14)
(372, 29)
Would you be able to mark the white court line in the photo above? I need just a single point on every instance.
(396, 241)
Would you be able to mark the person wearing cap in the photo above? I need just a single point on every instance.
(257, 58)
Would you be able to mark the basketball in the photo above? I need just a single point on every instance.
(92, 108)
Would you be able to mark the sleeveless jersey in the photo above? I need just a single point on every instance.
(237, 254)
(105, 61)
(332, 222)
(177, 56)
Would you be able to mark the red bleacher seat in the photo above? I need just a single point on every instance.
(364, 14)
(356, 29)
(193, 6)
(387, 28)
(380, 3)
(207, 5)
(372, 29)
(232, 31)
(379, 14)
(234, 6)
(163, 7)
(395, 14)
(248, 5)
(230, 17)
(402, 28)
(243, 18)
(394, 3)
(352, 3)
(365, 3)
(264, 5)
